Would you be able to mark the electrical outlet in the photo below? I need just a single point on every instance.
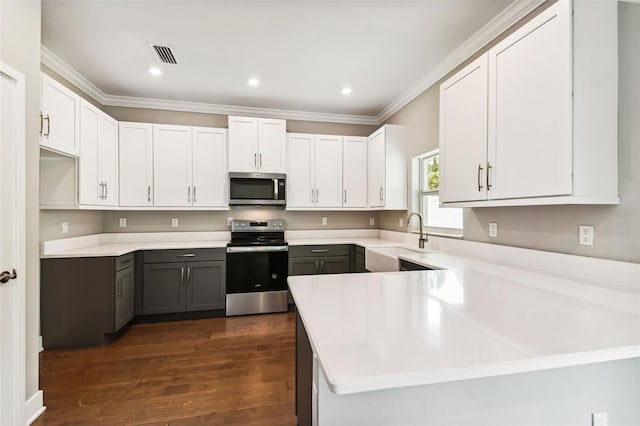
(123, 222)
(493, 229)
(229, 220)
(401, 222)
(586, 235)
(599, 419)
(174, 222)
(324, 220)
(372, 221)
(65, 227)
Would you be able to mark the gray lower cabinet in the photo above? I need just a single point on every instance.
(124, 308)
(312, 260)
(198, 284)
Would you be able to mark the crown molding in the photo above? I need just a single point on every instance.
(509, 16)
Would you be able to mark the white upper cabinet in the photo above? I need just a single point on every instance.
(550, 121)
(388, 168)
(172, 166)
(328, 171)
(354, 171)
(300, 172)
(136, 164)
(60, 117)
(463, 148)
(210, 176)
(257, 145)
(98, 177)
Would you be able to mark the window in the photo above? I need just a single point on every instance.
(438, 220)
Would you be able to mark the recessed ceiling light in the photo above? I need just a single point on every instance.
(254, 82)
(346, 90)
(155, 71)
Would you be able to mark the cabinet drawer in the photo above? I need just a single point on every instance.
(183, 255)
(124, 261)
(328, 250)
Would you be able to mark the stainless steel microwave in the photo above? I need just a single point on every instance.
(261, 189)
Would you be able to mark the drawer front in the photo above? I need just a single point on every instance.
(328, 250)
(124, 261)
(184, 255)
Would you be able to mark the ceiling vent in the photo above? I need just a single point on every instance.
(165, 53)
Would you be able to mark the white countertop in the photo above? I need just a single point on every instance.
(387, 330)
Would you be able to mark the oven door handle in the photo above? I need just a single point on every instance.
(261, 249)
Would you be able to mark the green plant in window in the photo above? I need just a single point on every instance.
(433, 182)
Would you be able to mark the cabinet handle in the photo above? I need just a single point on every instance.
(188, 255)
(101, 195)
(480, 169)
(489, 167)
(255, 160)
(41, 123)
(106, 190)
(194, 194)
(319, 251)
(345, 196)
(182, 276)
(46, 117)
(149, 193)
(322, 266)
(317, 263)
(188, 276)
(261, 160)
(317, 195)
(118, 288)
(188, 194)
(381, 194)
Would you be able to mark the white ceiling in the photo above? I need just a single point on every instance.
(303, 52)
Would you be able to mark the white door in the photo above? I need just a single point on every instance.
(243, 144)
(135, 164)
(354, 171)
(12, 247)
(91, 186)
(300, 174)
(328, 171)
(60, 114)
(172, 158)
(377, 168)
(530, 108)
(210, 177)
(272, 144)
(108, 158)
(463, 134)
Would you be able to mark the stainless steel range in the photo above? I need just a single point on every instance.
(257, 267)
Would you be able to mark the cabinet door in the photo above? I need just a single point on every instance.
(530, 108)
(60, 116)
(334, 265)
(135, 148)
(108, 158)
(210, 176)
(300, 171)
(163, 289)
(172, 172)
(243, 144)
(328, 171)
(304, 266)
(124, 295)
(205, 286)
(376, 169)
(272, 146)
(91, 186)
(354, 171)
(463, 134)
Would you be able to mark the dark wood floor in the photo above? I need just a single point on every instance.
(218, 371)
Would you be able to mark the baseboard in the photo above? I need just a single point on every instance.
(34, 408)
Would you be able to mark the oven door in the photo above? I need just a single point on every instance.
(257, 269)
(256, 189)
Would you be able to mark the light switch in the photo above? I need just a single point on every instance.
(324, 220)
(174, 222)
(123, 222)
(65, 227)
(372, 221)
(493, 229)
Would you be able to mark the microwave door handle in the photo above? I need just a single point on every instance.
(275, 189)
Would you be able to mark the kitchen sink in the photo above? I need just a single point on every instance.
(385, 259)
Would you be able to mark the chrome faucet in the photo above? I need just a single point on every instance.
(423, 235)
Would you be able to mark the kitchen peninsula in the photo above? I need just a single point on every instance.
(479, 344)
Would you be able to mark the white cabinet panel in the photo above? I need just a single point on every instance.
(530, 111)
(300, 174)
(60, 109)
(210, 176)
(108, 156)
(463, 134)
(243, 144)
(376, 168)
(272, 157)
(172, 166)
(328, 171)
(91, 186)
(135, 164)
(354, 171)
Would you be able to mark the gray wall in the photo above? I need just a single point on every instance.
(20, 48)
(555, 228)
